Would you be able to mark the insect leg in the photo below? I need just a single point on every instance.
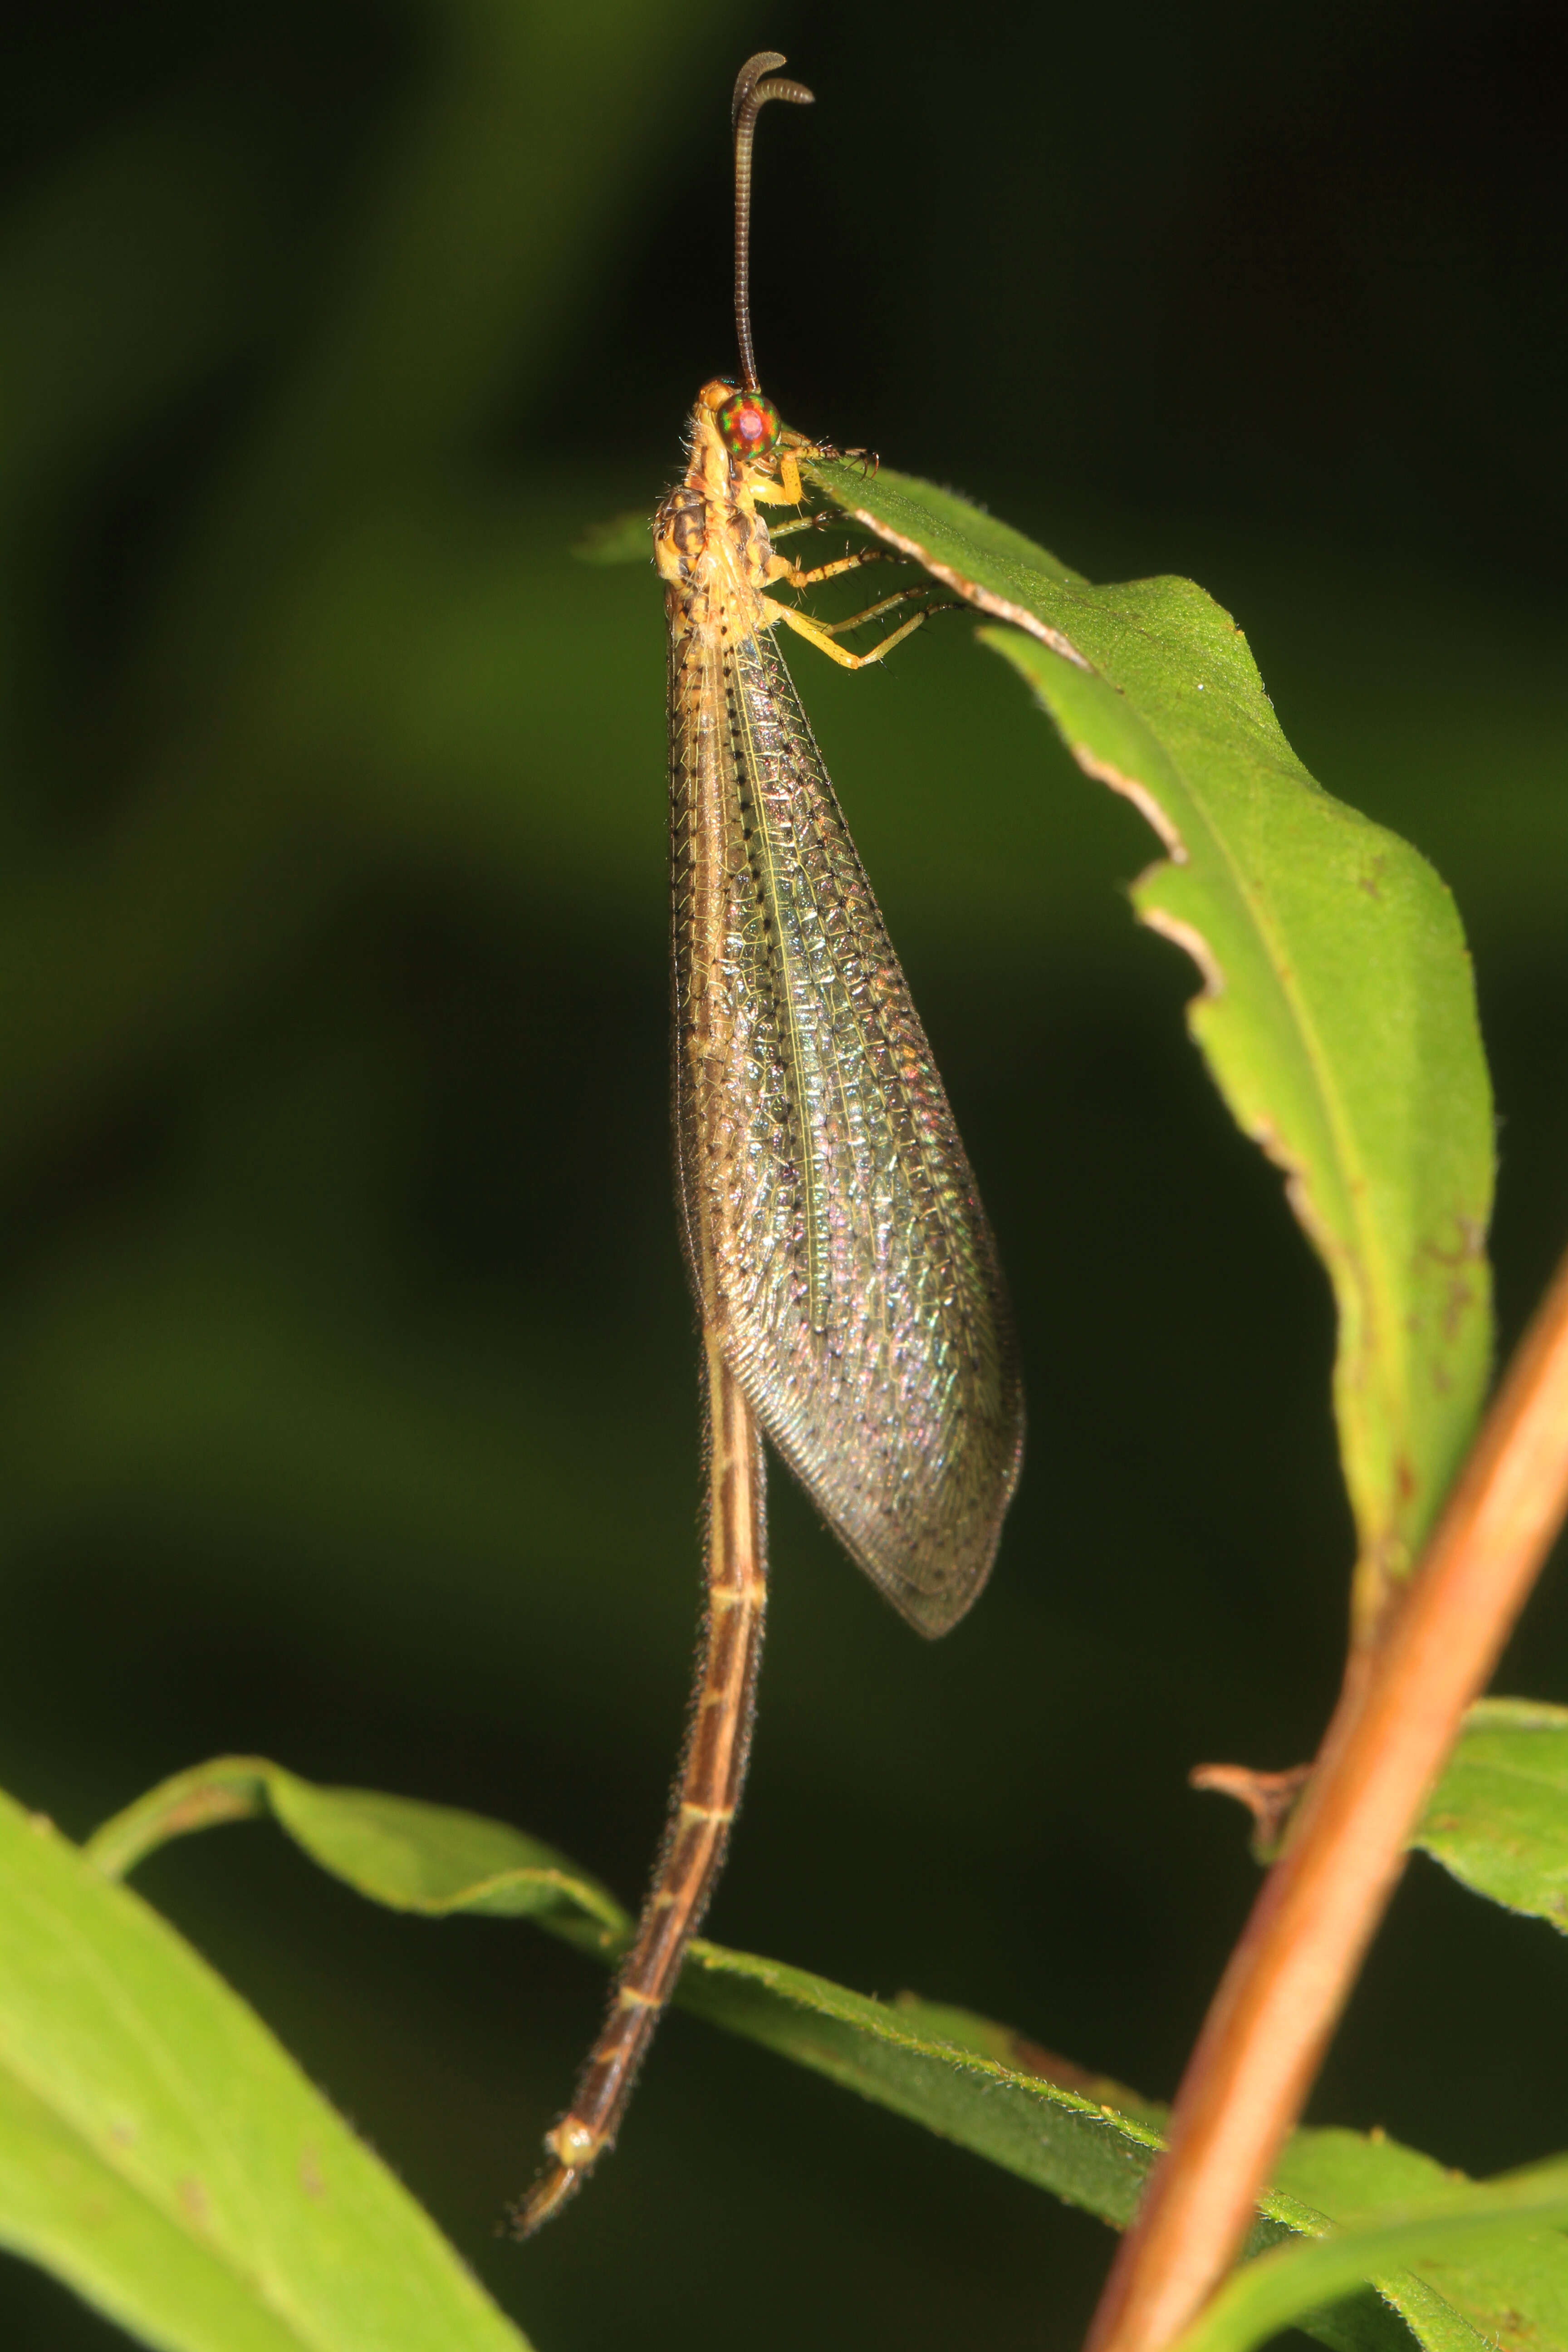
(787, 490)
(804, 451)
(823, 520)
(874, 611)
(799, 579)
(818, 521)
(817, 633)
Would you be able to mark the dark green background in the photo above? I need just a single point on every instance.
(348, 1407)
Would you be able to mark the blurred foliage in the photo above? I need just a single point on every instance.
(348, 1396)
(1517, 2219)
(1496, 1818)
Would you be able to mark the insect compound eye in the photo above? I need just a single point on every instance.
(749, 425)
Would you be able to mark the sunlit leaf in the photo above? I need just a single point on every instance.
(161, 2154)
(1499, 1817)
(399, 1851)
(1292, 2283)
(1338, 1011)
(1513, 2290)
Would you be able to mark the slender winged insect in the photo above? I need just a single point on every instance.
(852, 1307)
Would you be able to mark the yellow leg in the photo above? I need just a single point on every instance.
(815, 633)
(874, 612)
(805, 522)
(787, 490)
(867, 459)
(798, 579)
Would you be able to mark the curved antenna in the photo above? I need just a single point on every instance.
(752, 92)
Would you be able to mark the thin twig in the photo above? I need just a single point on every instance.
(1289, 1976)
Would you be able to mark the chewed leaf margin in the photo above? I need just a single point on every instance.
(1338, 1010)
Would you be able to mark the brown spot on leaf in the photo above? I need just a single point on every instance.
(1460, 1300)
(195, 2198)
(1470, 1244)
(310, 2179)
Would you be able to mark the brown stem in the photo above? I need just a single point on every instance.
(1291, 1972)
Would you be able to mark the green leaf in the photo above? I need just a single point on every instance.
(1499, 1817)
(1338, 1011)
(398, 1851)
(1083, 2138)
(161, 2154)
(433, 1859)
(1513, 2292)
(1291, 2283)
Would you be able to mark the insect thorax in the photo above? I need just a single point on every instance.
(708, 535)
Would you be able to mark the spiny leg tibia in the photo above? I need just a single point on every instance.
(820, 634)
(823, 520)
(798, 578)
(874, 612)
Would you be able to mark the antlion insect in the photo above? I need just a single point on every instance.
(852, 1304)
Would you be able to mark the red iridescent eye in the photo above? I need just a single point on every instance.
(749, 425)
